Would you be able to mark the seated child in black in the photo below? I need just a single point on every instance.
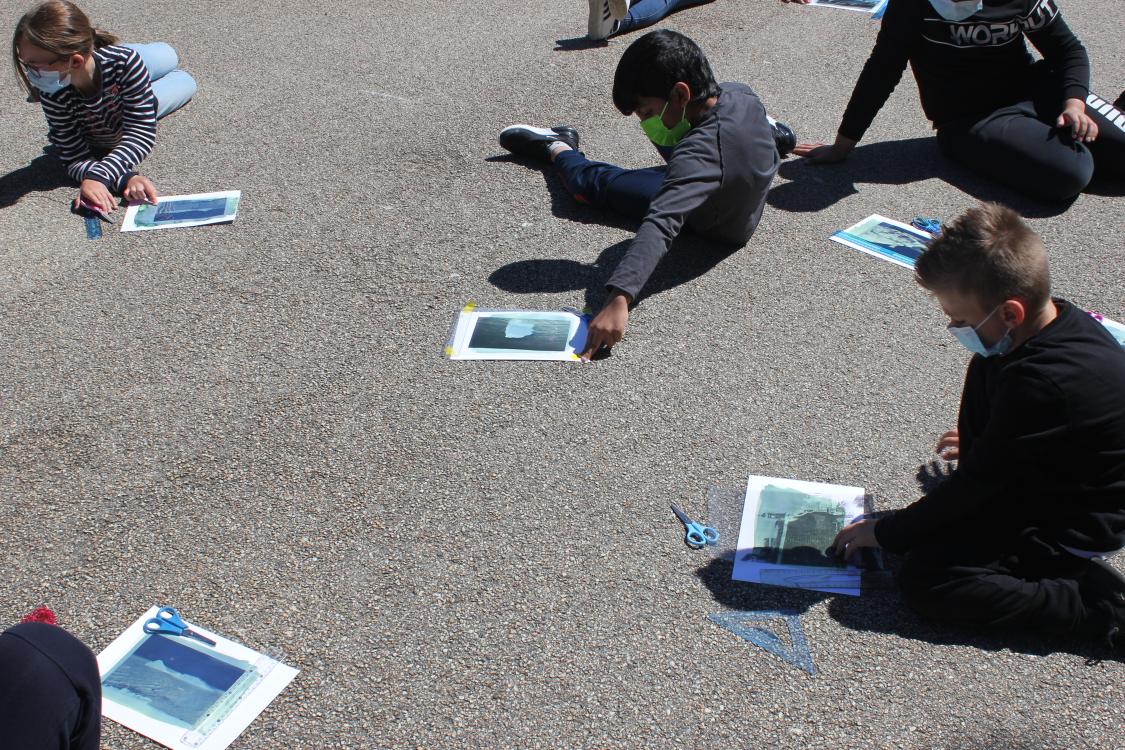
(1016, 536)
(1033, 126)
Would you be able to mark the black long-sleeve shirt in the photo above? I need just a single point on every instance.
(50, 690)
(716, 182)
(968, 68)
(1042, 433)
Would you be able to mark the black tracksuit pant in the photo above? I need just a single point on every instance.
(1020, 146)
(1021, 582)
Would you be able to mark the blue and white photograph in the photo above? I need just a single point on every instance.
(183, 211)
(517, 335)
(172, 681)
(885, 238)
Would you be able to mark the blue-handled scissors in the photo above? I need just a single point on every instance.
(168, 622)
(926, 224)
(697, 534)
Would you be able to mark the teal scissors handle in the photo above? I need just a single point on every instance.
(696, 535)
(168, 622)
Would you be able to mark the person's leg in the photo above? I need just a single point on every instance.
(1014, 147)
(173, 87)
(1036, 587)
(627, 192)
(644, 13)
(1109, 147)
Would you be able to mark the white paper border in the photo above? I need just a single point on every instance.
(467, 320)
(751, 570)
(252, 704)
(129, 224)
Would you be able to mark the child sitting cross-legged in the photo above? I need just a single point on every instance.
(1017, 535)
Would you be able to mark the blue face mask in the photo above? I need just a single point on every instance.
(47, 81)
(955, 10)
(969, 339)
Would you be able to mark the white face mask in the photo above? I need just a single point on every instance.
(956, 10)
(47, 81)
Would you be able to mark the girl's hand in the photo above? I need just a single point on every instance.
(140, 190)
(1082, 127)
(97, 195)
(818, 153)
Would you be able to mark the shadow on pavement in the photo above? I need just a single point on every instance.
(689, 257)
(44, 173)
(882, 610)
(890, 615)
(815, 187)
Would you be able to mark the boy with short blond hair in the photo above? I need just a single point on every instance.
(1018, 534)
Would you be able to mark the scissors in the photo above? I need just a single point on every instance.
(168, 622)
(697, 535)
(933, 226)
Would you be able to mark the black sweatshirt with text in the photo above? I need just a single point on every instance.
(1042, 433)
(970, 68)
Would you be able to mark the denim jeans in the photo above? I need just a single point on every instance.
(173, 87)
(625, 191)
(644, 13)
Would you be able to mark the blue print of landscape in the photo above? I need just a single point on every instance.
(169, 681)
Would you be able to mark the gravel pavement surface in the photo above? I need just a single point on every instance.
(254, 422)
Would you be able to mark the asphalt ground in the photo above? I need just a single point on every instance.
(254, 422)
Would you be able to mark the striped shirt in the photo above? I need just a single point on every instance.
(106, 136)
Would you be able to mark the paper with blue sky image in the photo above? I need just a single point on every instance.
(172, 211)
(517, 335)
(185, 694)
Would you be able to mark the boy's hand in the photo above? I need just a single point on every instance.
(608, 326)
(949, 446)
(851, 538)
(818, 153)
(140, 190)
(1082, 127)
(97, 195)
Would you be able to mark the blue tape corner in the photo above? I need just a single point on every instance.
(797, 653)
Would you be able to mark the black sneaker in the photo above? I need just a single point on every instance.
(1120, 103)
(783, 137)
(534, 143)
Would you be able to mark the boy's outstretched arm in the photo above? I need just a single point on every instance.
(608, 326)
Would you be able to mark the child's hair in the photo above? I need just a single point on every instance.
(989, 254)
(655, 63)
(57, 26)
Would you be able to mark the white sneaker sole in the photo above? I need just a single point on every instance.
(600, 24)
(532, 128)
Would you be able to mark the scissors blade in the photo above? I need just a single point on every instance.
(189, 633)
(681, 515)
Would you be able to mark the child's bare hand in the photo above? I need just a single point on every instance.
(949, 446)
(97, 195)
(1082, 127)
(608, 326)
(140, 190)
(818, 153)
(854, 537)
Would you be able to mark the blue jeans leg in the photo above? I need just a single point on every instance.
(625, 191)
(644, 13)
(172, 86)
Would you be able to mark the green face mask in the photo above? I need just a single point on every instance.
(661, 134)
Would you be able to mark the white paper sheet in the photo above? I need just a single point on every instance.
(863, 6)
(787, 525)
(171, 211)
(183, 693)
(885, 238)
(517, 334)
